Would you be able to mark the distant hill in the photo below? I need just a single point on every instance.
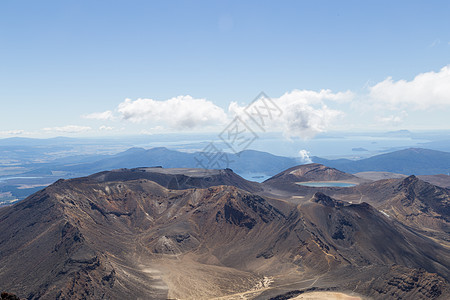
(248, 161)
(250, 164)
(415, 161)
(411, 161)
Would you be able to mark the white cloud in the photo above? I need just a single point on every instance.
(306, 121)
(68, 129)
(304, 157)
(392, 120)
(425, 91)
(304, 112)
(103, 116)
(153, 130)
(182, 112)
(12, 132)
(313, 97)
(105, 128)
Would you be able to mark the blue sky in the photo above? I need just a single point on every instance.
(67, 67)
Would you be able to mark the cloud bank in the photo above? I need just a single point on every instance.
(68, 129)
(105, 128)
(300, 113)
(392, 120)
(12, 132)
(103, 116)
(304, 113)
(425, 91)
(182, 112)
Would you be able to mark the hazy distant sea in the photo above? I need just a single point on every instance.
(336, 145)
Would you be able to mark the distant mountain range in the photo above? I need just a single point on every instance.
(410, 161)
(415, 161)
(248, 161)
(251, 164)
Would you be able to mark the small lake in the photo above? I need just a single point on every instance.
(326, 184)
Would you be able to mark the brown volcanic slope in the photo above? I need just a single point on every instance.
(413, 202)
(180, 178)
(120, 235)
(440, 180)
(410, 200)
